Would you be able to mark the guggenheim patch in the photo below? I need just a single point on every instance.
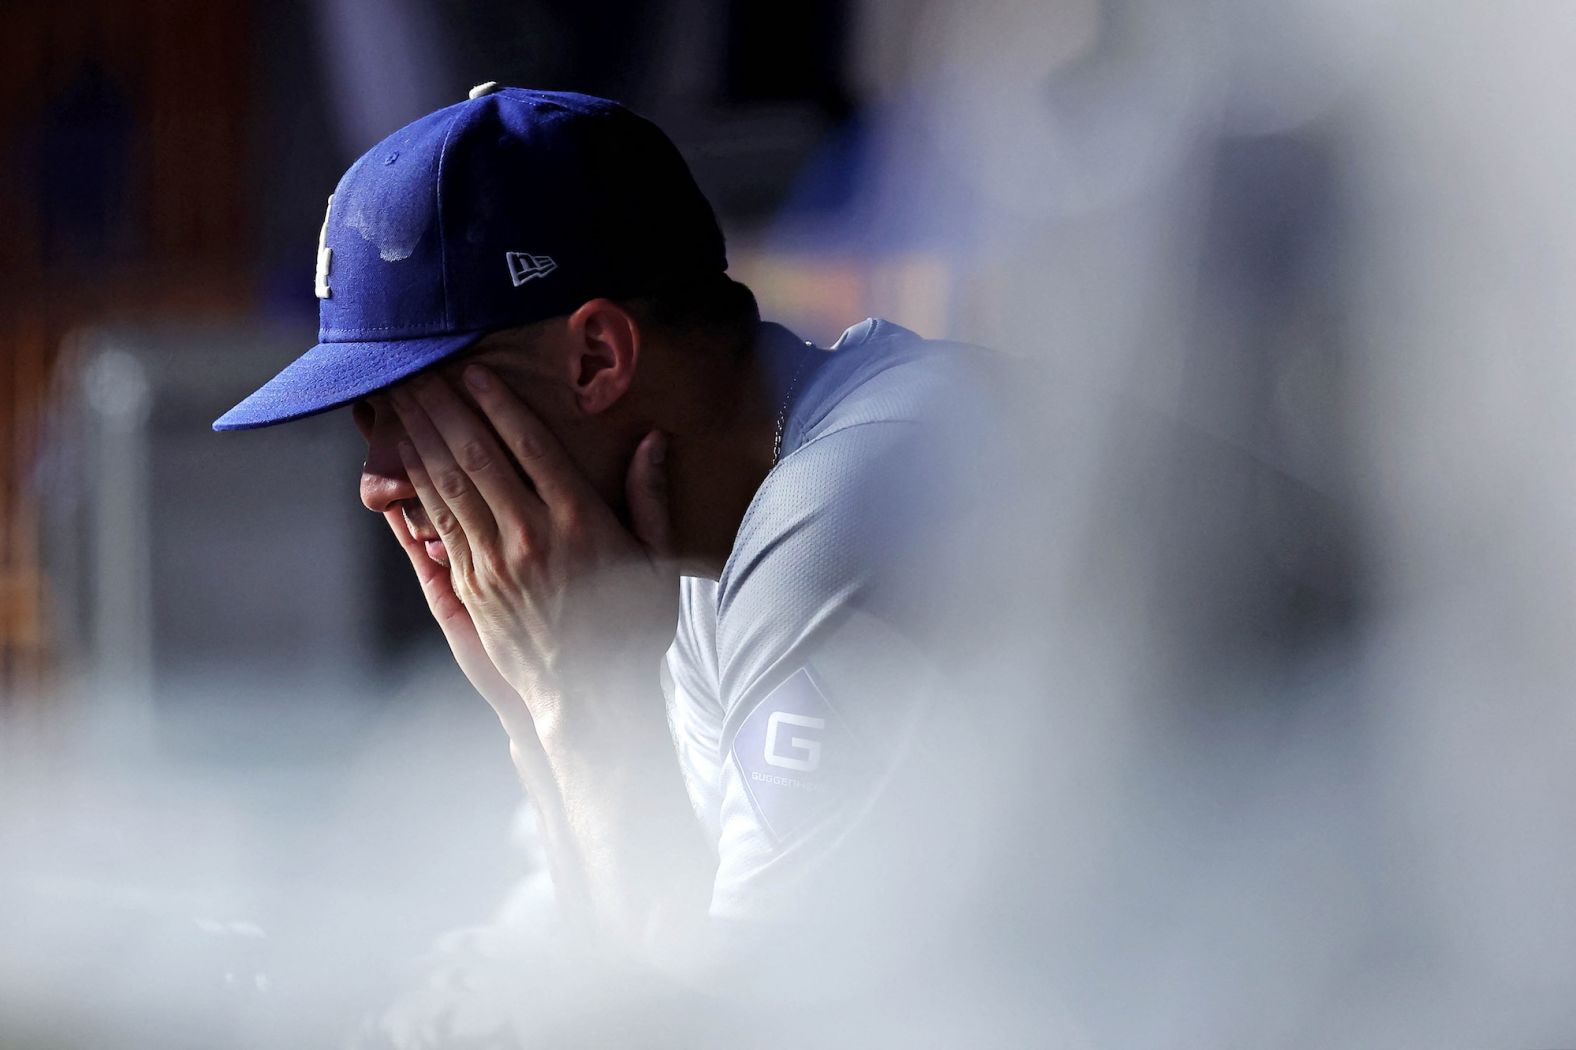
(793, 757)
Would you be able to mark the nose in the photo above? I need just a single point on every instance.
(383, 479)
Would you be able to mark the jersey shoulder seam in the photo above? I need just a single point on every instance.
(845, 427)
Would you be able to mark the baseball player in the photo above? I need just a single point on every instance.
(720, 585)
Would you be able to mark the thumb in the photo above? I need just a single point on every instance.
(647, 491)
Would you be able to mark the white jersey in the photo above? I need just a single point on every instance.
(808, 685)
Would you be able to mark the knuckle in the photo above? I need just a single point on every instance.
(528, 444)
(443, 520)
(523, 542)
(465, 567)
(474, 455)
(571, 518)
(451, 484)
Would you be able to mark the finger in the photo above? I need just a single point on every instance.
(475, 448)
(438, 512)
(436, 587)
(460, 632)
(444, 475)
(434, 578)
(646, 488)
(414, 549)
(540, 454)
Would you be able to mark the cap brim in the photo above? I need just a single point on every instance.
(333, 374)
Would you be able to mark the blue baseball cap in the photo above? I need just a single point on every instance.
(510, 207)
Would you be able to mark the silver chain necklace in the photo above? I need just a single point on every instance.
(782, 413)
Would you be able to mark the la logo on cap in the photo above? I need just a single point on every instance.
(325, 256)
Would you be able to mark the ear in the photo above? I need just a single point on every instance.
(604, 350)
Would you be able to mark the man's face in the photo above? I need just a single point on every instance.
(384, 484)
(592, 443)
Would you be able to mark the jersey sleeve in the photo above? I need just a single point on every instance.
(689, 680)
(829, 645)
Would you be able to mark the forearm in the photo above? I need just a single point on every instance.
(561, 595)
(627, 855)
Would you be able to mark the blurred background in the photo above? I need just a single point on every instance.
(1325, 743)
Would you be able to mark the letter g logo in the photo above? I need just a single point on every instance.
(808, 747)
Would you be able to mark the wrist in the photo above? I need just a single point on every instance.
(614, 715)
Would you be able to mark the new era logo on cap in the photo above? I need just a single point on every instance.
(523, 267)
